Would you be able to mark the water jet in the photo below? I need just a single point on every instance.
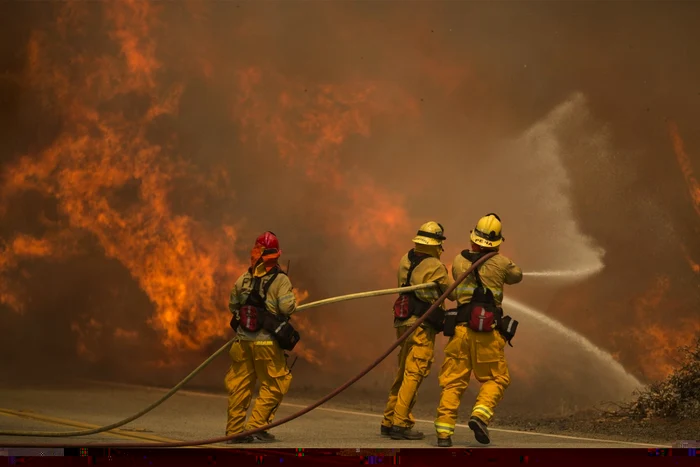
(586, 344)
(565, 273)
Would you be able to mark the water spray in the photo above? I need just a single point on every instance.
(566, 273)
(574, 336)
(564, 330)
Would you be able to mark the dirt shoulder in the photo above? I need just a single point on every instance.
(593, 424)
(587, 424)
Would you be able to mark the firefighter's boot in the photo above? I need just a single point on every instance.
(445, 442)
(399, 432)
(481, 432)
(243, 440)
(264, 436)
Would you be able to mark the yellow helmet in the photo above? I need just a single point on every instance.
(487, 232)
(430, 233)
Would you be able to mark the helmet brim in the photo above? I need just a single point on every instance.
(426, 240)
(484, 242)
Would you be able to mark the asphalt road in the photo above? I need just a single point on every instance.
(192, 416)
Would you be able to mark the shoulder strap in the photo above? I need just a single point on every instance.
(267, 285)
(255, 286)
(255, 290)
(478, 278)
(415, 261)
(473, 257)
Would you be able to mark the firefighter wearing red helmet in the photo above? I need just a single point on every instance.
(261, 303)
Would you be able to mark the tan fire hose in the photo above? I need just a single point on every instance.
(222, 349)
(225, 347)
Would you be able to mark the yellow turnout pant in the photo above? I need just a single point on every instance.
(415, 358)
(467, 351)
(252, 361)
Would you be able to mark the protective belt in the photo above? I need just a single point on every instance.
(480, 314)
(408, 304)
(254, 316)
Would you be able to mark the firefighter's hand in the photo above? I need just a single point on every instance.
(234, 322)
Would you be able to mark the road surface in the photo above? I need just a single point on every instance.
(193, 415)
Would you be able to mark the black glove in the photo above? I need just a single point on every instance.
(508, 328)
(234, 322)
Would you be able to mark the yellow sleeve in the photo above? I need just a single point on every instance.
(442, 278)
(286, 300)
(456, 272)
(234, 301)
(513, 273)
(233, 304)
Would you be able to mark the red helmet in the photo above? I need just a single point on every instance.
(268, 240)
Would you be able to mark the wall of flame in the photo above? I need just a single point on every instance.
(147, 144)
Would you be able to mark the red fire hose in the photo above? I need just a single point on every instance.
(296, 415)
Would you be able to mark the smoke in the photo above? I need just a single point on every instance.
(145, 145)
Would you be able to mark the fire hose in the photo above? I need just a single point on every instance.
(282, 421)
(222, 349)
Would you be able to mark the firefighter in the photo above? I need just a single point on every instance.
(262, 292)
(477, 342)
(420, 265)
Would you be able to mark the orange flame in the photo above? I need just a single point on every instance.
(310, 124)
(685, 165)
(114, 181)
(693, 265)
(175, 259)
(658, 339)
(690, 180)
(22, 247)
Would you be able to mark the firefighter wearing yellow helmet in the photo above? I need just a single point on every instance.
(420, 265)
(478, 334)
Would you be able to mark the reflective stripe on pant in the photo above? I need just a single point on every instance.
(467, 351)
(252, 361)
(415, 359)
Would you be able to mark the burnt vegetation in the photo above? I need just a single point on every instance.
(665, 411)
(676, 397)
